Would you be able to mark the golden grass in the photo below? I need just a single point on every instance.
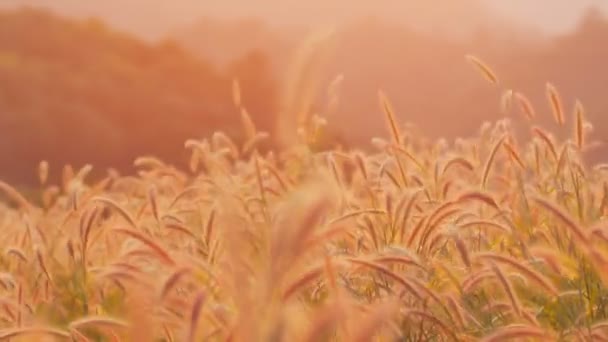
(556, 104)
(416, 242)
(483, 68)
(526, 106)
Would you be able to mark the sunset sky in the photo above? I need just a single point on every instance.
(155, 17)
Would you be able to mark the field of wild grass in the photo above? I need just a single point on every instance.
(488, 238)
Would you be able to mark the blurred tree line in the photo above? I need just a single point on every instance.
(77, 92)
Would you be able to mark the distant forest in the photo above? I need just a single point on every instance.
(80, 92)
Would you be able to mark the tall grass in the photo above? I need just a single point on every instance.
(416, 242)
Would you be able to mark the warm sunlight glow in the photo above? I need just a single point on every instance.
(289, 170)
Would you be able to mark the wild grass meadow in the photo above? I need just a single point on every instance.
(493, 238)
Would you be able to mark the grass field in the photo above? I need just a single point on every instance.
(486, 238)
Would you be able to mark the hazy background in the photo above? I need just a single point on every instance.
(102, 82)
(153, 18)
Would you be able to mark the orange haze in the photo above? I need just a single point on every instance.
(149, 74)
(153, 18)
